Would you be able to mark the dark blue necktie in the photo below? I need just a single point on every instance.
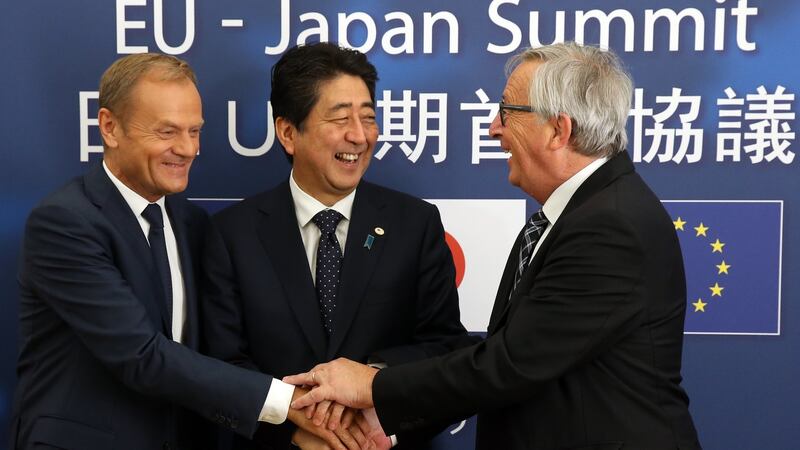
(158, 247)
(329, 263)
(531, 234)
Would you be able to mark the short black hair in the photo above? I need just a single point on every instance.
(296, 77)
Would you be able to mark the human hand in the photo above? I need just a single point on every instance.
(363, 425)
(342, 380)
(342, 438)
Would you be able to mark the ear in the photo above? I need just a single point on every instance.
(562, 130)
(109, 126)
(286, 133)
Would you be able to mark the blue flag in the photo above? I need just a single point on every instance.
(732, 255)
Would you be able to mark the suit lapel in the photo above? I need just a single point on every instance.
(102, 192)
(180, 227)
(360, 260)
(602, 177)
(278, 232)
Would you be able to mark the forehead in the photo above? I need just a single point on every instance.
(159, 96)
(343, 88)
(519, 82)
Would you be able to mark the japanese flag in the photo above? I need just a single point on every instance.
(480, 234)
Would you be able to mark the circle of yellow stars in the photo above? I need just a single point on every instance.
(717, 246)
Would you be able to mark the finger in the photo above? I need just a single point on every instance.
(335, 420)
(313, 396)
(363, 424)
(333, 440)
(321, 413)
(309, 411)
(347, 439)
(359, 436)
(348, 417)
(299, 379)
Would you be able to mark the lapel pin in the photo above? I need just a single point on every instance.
(379, 231)
(369, 241)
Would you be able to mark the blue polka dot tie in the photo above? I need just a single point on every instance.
(329, 263)
(533, 231)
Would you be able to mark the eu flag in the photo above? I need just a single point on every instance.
(732, 255)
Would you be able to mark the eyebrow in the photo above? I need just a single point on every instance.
(344, 105)
(167, 123)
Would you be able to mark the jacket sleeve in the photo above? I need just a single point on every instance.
(70, 263)
(585, 298)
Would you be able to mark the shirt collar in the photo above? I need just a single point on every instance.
(558, 200)
(306, 206)
(135, 202)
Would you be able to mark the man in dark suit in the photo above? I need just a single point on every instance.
(290, 288)
(584, 342)
(108, 315)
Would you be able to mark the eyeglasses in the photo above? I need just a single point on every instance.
(503, 107)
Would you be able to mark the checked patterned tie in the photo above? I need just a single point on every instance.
(533, 231)
(329, 263)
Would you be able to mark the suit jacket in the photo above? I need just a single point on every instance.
(586, 352)
(96, 368)
(397, 300)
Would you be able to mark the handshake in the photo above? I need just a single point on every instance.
(332, 407)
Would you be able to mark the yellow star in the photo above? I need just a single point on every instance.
(716, 289)
(701, 230)
(699, 305)
(723, 268)
(679, 223)
(716, 246)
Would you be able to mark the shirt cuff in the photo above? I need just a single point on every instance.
(276, 406)
(393, 438)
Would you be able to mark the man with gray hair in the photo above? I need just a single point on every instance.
(585, 338)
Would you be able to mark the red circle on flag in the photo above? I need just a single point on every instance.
(458, 257)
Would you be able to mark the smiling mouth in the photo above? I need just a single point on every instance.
(347, 157)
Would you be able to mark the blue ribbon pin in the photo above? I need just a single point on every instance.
(369, 241)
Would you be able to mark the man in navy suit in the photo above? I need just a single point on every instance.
(271, 303)
(584, 341)
(108, 315)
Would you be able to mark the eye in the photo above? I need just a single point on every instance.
(194, 132)
(368, 119)
(166, 132)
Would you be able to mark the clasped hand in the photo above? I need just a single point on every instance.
(328, 410)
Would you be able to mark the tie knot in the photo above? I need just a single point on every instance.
(535, 225)
(152, 214)
(537, 220)
(327, 220)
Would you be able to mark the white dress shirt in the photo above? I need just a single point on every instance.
(137, 203)
(305, 208)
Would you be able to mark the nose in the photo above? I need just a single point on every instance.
(355, 133)
(187, 145)
(496, 128)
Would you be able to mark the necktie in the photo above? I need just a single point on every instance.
(329, 262)
(158, 248)
(533, 231)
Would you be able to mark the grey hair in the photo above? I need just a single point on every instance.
(587, 84)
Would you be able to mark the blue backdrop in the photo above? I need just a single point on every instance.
(711, 130)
